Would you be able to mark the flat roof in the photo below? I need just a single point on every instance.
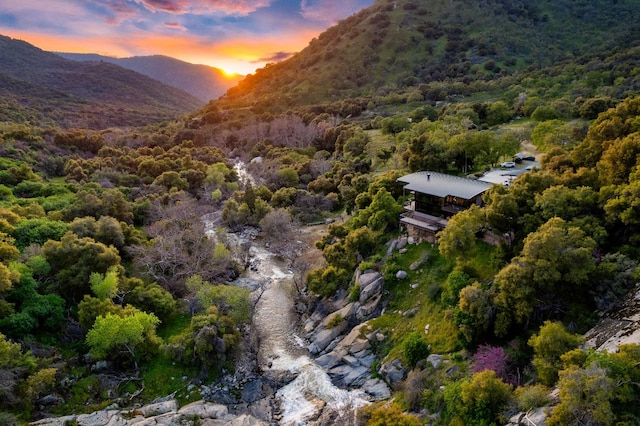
(442, 185)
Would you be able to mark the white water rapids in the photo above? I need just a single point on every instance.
(281, 350)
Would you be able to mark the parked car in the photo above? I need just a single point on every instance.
(529, 158)
(508, 164)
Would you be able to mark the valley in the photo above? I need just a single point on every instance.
(248, 260)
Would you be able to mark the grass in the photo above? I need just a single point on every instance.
(420, 292)
(162, 376)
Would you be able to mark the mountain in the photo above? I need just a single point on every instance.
(202, 81)
(45, 89)
(396, 44)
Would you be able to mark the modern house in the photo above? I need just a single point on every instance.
(435, 197)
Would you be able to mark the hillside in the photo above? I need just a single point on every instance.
(405, 43)
(202, 81)
(46, 89)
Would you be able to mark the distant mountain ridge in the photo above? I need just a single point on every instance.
(202, 81)
(46, 89)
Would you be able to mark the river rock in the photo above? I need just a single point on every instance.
(393, 372)
(377, 389)
(372, 288)
(365, 311)
(98, 418)
(345, 313)
(325, 337)
(536, 417)
(205, 410)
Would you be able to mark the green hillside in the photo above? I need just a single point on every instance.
(45, 89)
(397, 44)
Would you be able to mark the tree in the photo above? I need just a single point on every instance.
(551, 342)
(133, 333)
(105, 286)
(459, 237)
(208, 340)
(585, 396)
(479, 400)
(386, 414)
(555, 261)
(498, 112)
(491, 358)
(72, 261)
(181, 248)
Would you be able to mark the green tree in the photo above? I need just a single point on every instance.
(551, 342)
(132, 334)
(585, 396)
(555, 261)
(458, 238)
(498, 112)
(72, 261)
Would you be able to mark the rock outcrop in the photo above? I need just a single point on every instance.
(618, 327)
(166, 413)
(344, 349)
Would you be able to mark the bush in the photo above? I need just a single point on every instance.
(531, 397)
(415, 349)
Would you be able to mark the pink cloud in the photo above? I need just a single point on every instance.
(175, 26)
(229, 7)
(330, 11)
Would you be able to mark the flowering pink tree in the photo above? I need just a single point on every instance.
(492, 358)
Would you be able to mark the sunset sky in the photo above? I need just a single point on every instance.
(235, 35)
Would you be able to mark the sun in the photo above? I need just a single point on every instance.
(227, 73)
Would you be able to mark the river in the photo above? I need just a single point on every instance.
(282, 352)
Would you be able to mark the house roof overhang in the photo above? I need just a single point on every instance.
(442, 185)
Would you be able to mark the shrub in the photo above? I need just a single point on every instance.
(414, 349)
(531, 397)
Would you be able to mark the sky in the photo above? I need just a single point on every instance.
(237, 36)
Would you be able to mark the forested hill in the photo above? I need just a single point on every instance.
(202, 81)
(403, 43)
(45, 89)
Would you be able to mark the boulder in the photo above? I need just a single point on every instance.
(58, 421)
(401, 275)
(402, 242)
(246, 420)
(367, 278)
(98, 418)
(345, 313)
(367, 310)
(159, 408)
(435, 360)
(371, 289)
(205, 410)
(377, 389)
(50, 400)
(393, 372)
(325, 337)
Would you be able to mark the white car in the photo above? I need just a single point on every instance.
(508, 164)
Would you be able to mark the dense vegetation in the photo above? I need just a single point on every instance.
(104, 254)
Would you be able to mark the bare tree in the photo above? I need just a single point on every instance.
(181, 247)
